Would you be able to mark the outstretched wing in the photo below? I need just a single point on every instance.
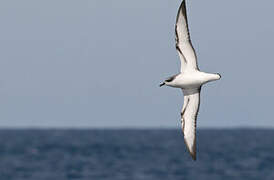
(183, 43)
(189, 118)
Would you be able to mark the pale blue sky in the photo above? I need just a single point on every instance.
(95, 63)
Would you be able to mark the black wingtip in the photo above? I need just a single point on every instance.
(191, 150)
(193, 157)
(192, 153)
(181, 8)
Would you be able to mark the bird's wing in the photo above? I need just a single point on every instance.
(183, 43)
(189, 118)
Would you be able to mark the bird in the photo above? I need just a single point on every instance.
(190, 80)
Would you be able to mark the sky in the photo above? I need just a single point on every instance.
(98, 64)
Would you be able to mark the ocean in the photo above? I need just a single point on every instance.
(240, 154)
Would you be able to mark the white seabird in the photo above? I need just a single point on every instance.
(190, 80)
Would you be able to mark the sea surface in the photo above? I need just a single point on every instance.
(239, 154)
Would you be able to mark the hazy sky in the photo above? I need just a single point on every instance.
(96, 63)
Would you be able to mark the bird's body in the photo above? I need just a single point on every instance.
(190, 80)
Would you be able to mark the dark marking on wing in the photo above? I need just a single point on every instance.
(182, 9)
(184, 110)
(195, 126)
(178, 49)
(176, 36)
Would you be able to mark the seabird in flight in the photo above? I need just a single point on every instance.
(190, 80)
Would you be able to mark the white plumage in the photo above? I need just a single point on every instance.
(190, 80)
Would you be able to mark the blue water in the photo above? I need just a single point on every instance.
(135, 155)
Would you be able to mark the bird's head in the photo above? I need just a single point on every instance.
(168, 81)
